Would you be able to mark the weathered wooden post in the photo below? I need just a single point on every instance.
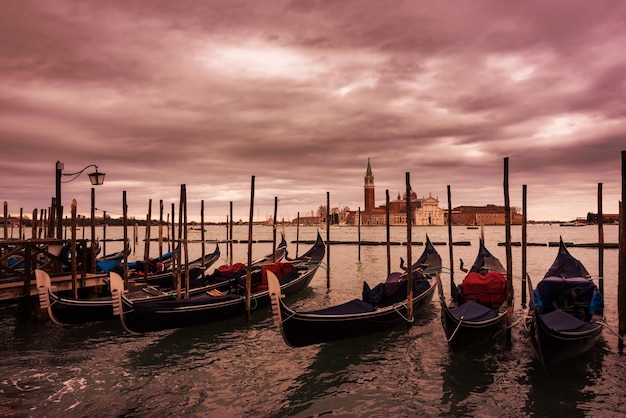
(6, 220)
(509, 260)
(388, 232)
(125, 223)
(621, 287)
(203, 245)
(160, 228)
(73, 251)
(524, 245)
(146, 246)
(327, 240)
(450, 241)
(185, 238)
(175, 246)
(93, 231)
(297, 233)
(409, 244)
(274, 229)
(104, 234)
(249, 269)
(230, 240)
(359, 233)
(180, 247)
(33, 230)
(600, 241)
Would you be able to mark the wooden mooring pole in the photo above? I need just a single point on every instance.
(509, 260)
(524, 245)
(450, 241)
(274, 229)
(327, 240)
(359, 233)
(125, 223)
(230, 239)
(185, 238)
(74, 255)
(600, 241)
(621, 286)
(388, 232)
(146, 246)
(297, 233)
(249, 269)
(6, 220)
(202, 237)
(160, 228)
(409, 245)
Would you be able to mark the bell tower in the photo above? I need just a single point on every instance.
(370, 202)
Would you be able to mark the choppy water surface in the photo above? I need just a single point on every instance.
(234, 368)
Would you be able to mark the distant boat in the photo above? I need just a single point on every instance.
(572, 224)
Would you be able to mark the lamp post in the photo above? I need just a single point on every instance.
(96, 178)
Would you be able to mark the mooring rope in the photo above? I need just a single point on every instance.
(256, 303)
(515, 323)
(457, 328)
(604, 324)
(404, 317)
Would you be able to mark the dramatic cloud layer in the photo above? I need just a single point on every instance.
(300, 93)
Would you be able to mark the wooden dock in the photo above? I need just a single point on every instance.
(16, 289)
(20, 258)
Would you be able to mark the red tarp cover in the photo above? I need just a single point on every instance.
(227, 268)
(279, 269)
(487, 290)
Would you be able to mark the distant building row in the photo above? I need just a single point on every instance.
(424, 211)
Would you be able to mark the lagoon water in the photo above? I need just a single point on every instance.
(235, 368)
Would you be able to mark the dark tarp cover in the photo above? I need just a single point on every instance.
(394, 290)
(563, 322)
(475, 312)
(351, 307)
(566, 266)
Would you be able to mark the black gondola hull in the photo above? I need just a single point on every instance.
(466, 334)
(301, 329)
(554, 347)
(203, 308)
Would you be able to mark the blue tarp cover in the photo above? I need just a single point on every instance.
(472, 311)
(556, 289)
(561, 321)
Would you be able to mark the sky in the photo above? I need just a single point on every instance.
(298, 94)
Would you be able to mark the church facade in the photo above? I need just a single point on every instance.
(423, 211)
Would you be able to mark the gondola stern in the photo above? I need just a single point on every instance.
(278, 306)
(117, 290)
(44, 285)
(275, 297)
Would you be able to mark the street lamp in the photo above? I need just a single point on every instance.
(96, 178)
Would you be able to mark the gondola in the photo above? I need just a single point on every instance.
(566, 311)
(213, 305)
(380, 308)
(115, 261)
(478, 307)
(63, 310)
(164, 278)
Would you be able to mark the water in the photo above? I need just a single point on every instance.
(233, 368)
